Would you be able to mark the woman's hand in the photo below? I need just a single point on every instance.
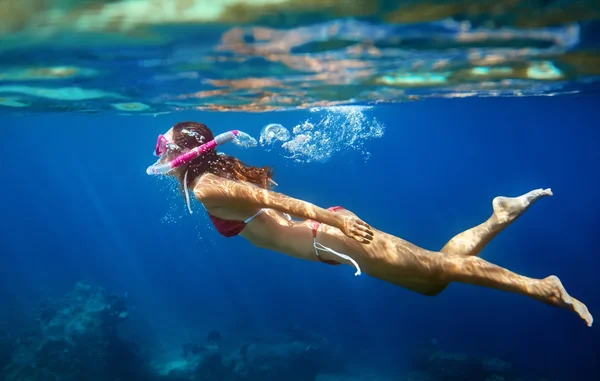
(356, 229)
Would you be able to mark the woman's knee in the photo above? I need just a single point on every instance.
(444, 268)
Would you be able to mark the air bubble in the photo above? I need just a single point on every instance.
(244, 140)
(337, 129)
(272, 133)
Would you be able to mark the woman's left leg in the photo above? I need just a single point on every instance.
(506, 211)
(472, 241)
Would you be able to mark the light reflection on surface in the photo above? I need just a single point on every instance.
(156, 56)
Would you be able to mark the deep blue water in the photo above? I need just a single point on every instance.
(78, 206)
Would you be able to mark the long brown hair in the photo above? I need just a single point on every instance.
(187, 135)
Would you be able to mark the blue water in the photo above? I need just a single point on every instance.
(78, 206)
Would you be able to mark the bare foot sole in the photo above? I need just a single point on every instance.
(507, 209)
(562, 299)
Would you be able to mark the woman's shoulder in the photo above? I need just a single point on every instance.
(211, 181)
(207, 186)
(207, 179)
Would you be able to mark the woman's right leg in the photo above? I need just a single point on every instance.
(506, 210)
(476, 271)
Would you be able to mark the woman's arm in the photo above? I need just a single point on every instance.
(216, 191)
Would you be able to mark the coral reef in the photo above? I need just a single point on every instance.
(76, 339)
(433, 363)
(295, 356)
(461, 367)
(7, 346)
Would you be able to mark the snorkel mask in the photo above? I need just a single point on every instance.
(162, 145)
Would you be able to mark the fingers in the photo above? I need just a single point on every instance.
(366, 234)
(359, 230)
(364, 227)
(362, 223)
(364, 241)
(362, 232)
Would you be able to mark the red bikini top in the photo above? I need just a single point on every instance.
(227, 228)
(231, 228)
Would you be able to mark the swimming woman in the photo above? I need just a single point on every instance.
(239, 201)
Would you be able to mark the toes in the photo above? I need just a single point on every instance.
(583, 312)
(538, 193)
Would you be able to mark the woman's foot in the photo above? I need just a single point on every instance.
(507, 209)
(559, 297)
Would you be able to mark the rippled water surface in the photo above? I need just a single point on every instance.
(154, 56)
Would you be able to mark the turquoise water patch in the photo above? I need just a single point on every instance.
(544, 70)
(487, 70)
(62, 94)
(133, 106)
(12, 102)
(45, 73)
(414, 79)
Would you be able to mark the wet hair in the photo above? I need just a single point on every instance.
(188, 135)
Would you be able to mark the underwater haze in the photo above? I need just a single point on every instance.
(413, 115)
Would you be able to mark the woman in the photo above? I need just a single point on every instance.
(238, 199)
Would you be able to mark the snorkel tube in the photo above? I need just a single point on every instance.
(160, 169)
